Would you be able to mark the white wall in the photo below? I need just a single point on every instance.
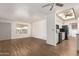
(39, 29)
(13, 29)
(14, 35)
(51, 29)
(28, 31)
(5, 31)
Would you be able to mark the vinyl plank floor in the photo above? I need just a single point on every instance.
(36, 47)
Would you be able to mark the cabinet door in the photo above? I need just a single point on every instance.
(5, 31)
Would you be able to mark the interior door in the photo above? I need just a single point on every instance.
(5, 31)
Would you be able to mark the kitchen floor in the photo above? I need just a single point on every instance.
(37, 47)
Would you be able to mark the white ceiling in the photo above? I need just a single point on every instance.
(28, 11)
(75, 6)
(23, 11)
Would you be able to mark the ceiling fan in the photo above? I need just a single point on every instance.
(52, 5)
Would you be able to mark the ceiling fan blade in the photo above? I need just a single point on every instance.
(59, 4)
(47, 5)
(51, 8)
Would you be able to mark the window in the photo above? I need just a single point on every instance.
(74, 25)
(21, 29)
